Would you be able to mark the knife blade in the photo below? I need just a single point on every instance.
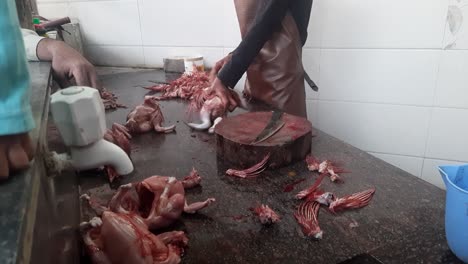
(310, 82)
(274, 125)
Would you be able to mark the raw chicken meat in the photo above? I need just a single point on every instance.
(252, 171)
(194, 87)
(157, 200)
(307, 217)
(290, 187)
(143, 118)
(312, 163)
(210, 107)
(312, 189)
(147, 117)
(353, 201)
(325, 167)
(110, 100)
(184, 87)
(122, 239)
(120, 136)
(266, 215)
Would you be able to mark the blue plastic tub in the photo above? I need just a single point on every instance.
(456, 209)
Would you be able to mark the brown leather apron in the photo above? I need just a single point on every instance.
(276, 76)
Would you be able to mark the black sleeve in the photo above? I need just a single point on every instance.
(266, 24)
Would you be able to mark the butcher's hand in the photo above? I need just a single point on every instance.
(225, 94)
(16, 151)
(67, 64)
(218, 66)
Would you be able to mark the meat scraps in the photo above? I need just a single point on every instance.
(184, 87)
(312, 189)
(307, 212)
(110, 100)
(307, 217)
(353, 201)
(326, 167)
(266, 215)
(252, 171)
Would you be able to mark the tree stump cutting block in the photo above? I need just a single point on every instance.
(234, 137)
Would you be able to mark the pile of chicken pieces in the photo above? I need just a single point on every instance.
(122, 231)
(314, 198)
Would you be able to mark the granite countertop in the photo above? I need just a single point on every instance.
(19, 193)
(404, 222)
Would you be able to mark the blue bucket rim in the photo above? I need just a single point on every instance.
(448, 178)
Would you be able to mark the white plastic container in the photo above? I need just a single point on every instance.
(194, 64)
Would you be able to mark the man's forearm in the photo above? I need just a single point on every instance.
(46, 47)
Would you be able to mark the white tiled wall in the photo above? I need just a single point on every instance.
(393, 78)
(393, 74)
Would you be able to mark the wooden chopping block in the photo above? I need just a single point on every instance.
(234, 137)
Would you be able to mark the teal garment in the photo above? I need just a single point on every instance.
(15, 108)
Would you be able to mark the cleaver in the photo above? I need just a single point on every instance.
(273, 126)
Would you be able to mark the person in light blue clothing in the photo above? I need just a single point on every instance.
(16, 120)
(68, 67)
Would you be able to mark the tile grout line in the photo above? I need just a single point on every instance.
(412, 156)
(157, 46)
(431, 110)
(393, 104)
(141, 32)
(422, 169)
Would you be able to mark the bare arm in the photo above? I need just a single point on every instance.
(67, 63)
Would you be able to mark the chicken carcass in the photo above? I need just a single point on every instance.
(147, 117)
(157, 200)
(119, 238)
(211, 108)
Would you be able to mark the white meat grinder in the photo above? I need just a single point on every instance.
(79, 115)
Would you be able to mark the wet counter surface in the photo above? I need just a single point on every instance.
(404, 222)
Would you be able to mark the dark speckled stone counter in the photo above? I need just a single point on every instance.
(404, 222)
(18, 195)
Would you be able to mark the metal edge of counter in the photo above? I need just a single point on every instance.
(26, 236)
